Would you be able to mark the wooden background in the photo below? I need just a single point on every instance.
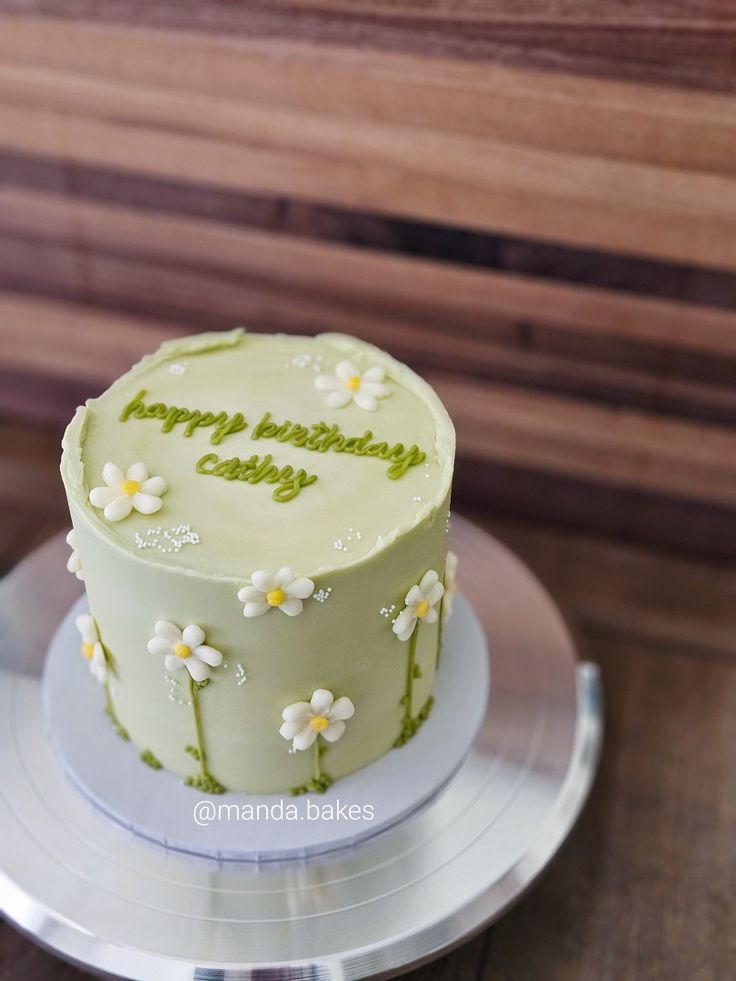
(531, 202)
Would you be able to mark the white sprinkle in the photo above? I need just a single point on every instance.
(416, 499)
(240, 676)
(179, 368)
(339, 545)
(172, 683)
(173, 539)
(322, 595)
(386, 611)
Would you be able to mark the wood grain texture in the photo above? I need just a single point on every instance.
(604, 173)
(666, 41)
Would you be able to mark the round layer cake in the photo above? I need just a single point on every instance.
(260, 521)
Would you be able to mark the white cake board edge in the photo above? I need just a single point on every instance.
(158, 806)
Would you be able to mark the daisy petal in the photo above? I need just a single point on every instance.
(290, 729)
(264, 580)
(298, 712)
(168, 630)
(322, 700)
(251, 610)
(82, 623)
(304, 739)
(196, 668)
(146, 503)
(192, 636)
(112, 475)
(154, 485)
(342, 708)
(250, 594)
(173, 663)
(137, 472)
(431, 615)
(374, 388)
(339, 398)
(119, 508)
(404, 635)
(100, 497)
(374, 375)
(157, 645)
(300, 588)
(284, 576)
(345, 370)
(71, 539)
(332, 733)
(209, 655)
(414, 597)
(428, 580)
(435, 594)
(291, 607)
(404, 618)
(365, 401)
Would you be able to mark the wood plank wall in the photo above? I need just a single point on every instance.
(533, 204)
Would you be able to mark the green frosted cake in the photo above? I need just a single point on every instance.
(260, 522)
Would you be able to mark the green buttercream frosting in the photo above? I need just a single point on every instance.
(261, 473)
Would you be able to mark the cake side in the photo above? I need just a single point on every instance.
(253, 708)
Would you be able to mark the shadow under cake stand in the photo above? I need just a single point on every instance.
(468, 813)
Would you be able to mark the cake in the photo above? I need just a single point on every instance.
(260, 523)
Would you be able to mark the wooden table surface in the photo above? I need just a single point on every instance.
(645, 888)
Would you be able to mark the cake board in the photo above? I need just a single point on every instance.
(95, 893)
(158, 806)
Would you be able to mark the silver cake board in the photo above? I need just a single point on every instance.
(97, 894)
(157, 805)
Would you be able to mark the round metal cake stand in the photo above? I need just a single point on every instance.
(99, 896)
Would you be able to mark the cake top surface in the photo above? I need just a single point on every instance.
(276, 450)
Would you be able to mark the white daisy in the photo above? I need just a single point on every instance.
(74, 563)
(184, 649)
(450, 586)
(281, 590)
(421, 602)
(323, 716)
(350, 385)
(92, 647)
(124, 492)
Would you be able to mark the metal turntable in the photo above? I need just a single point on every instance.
(98, 894)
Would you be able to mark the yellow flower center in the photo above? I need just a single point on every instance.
(130, 487)
(422, 609)
(319, 723)
(182, 650)
(353, 383)
(276, 597)
(88, 650)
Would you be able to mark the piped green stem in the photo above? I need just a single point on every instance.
(204, 779)
(320, 781)
(440, 632)
(110, 709)
(194, 695)
(410, 662)
(410, 723)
